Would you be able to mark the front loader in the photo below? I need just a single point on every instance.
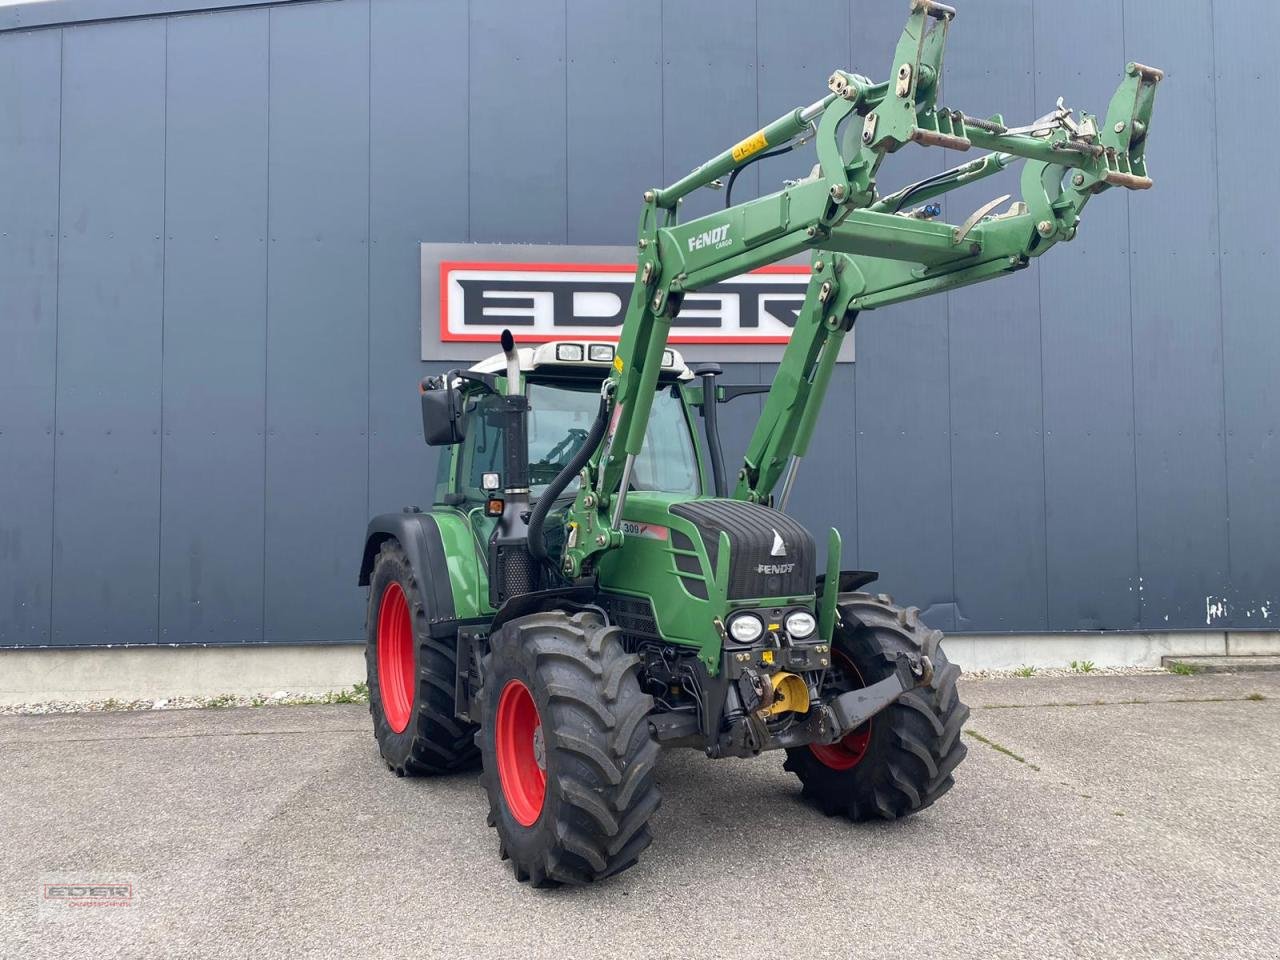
(590, 586)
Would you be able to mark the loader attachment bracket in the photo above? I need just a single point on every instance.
(851, 710)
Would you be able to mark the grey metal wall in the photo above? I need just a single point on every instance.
(208, 299)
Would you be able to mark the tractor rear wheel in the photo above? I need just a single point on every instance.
(568, 758)
(901, 760)
(411, 676)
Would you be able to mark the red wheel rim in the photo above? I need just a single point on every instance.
(395, 657)
(847, 753)
(518, 742)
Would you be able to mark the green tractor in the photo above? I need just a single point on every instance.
(587, 589)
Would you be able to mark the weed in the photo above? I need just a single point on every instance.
(359, 693)
(1024, 671)
(1083, 666)
(1255, 696)
(1182, 669)
(221, 700)
(1000, 748)
(356, 694)
(111, 703)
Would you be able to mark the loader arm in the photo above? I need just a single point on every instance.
(867, 250)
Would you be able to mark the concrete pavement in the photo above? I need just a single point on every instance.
(1094, 817)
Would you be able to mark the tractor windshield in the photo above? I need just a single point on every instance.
(560, 416)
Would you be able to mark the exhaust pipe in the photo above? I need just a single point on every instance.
(513, 363)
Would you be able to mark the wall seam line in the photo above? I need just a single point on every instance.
(164, 266)
(266, 340)
(1222, 319)
(1044, 436)
(368, 277)
(1133, 372)
(565, 8)
(755, 36)
(57, 329)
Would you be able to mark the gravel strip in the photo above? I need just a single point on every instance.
(360, 694)
(281, 698)
(1092, 671)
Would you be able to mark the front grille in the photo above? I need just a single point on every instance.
(770, 555)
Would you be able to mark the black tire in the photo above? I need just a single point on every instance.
(597, 753)
(432, 740)
(902, 759)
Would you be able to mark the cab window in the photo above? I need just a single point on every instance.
(560, 417)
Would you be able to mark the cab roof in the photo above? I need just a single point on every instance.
(576, 355)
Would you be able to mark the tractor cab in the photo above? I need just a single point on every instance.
(561, 382)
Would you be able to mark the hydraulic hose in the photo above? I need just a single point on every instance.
(562, 479)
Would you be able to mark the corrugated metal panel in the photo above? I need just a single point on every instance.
(708, 91)
(793, 69)
(318, 320)
(406, 121)
(996, 418)
(904, 456)
(1244, 39)
(212, 495)
(43, 13)
(518, 138)
(613, 85)
(30, 66)
(903, 400)
(1088, 363)
(418, 191)
(107, 486)
(1177, 331)
(826, 491)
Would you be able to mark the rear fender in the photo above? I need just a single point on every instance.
(442, 553)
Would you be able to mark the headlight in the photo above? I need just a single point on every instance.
(800, 623)
(746, 628)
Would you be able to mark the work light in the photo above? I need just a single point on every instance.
(569, 351)
(746, 628)
(601, 352)
(800, 623)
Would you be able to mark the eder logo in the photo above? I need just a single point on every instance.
(717, 237)
(64, 895)
(584, 301)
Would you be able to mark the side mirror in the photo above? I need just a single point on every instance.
(442, 416)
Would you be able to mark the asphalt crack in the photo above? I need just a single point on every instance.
(1001, 748)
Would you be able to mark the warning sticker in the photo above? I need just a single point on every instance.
(753, 144)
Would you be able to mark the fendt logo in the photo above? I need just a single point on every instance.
(716, 237)
(774, 569)
(551, 301)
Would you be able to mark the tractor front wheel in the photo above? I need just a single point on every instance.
(411, 676)
(568, 759)
(901, 760)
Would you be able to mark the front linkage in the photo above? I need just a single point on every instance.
(868, 250)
